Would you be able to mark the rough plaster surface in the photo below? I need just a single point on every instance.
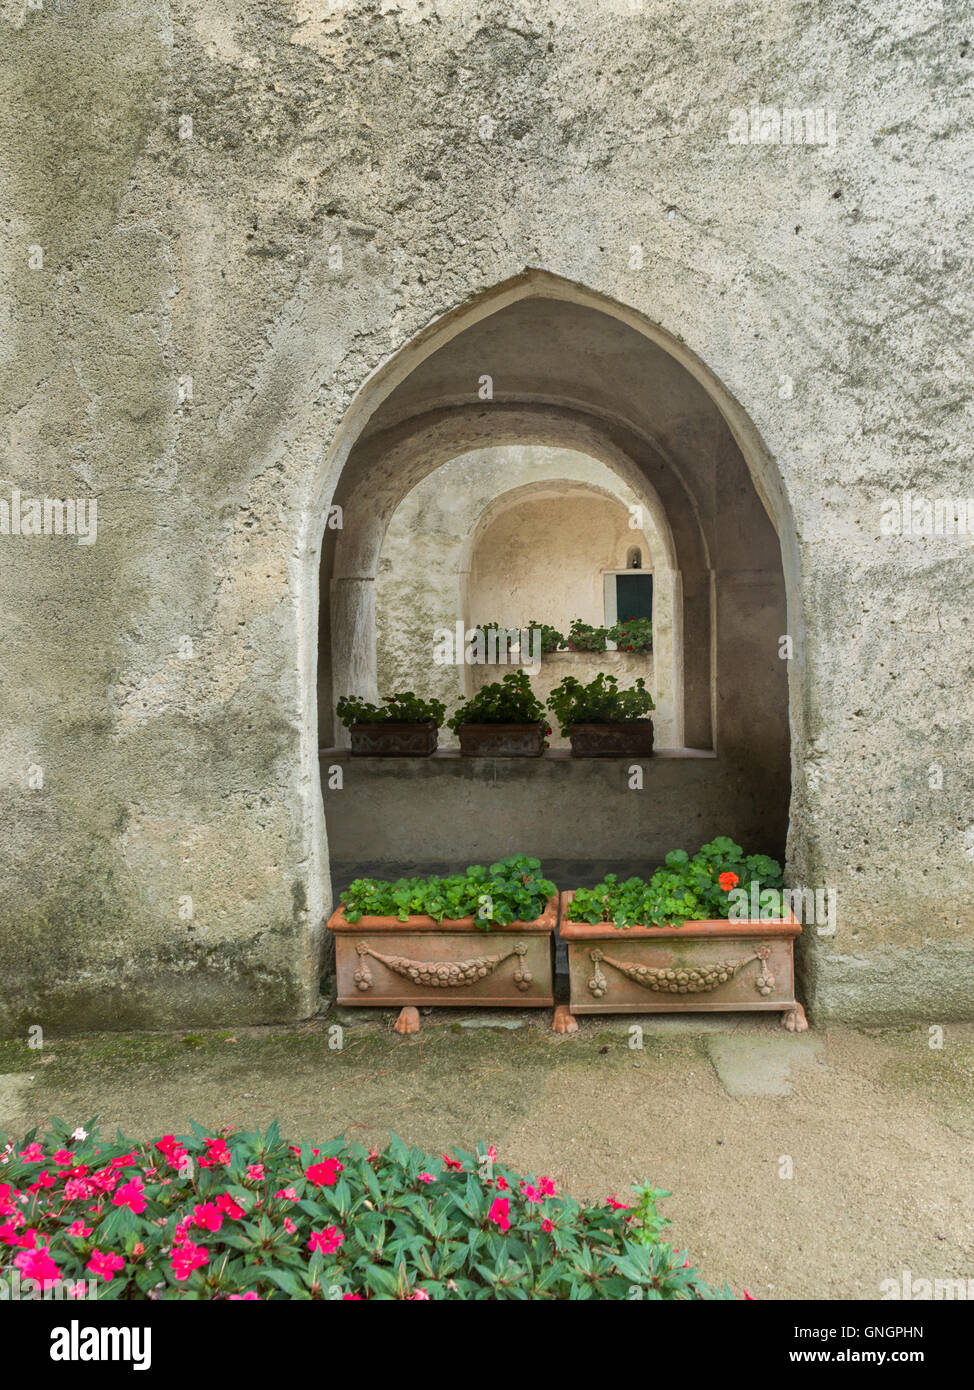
(821, 296)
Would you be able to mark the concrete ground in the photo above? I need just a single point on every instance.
(874, 1128)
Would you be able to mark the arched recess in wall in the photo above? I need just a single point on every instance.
(447, 557)
(567, 367)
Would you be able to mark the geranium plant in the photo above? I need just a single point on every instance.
(244, 1215)
(402, 708)
(681, 890)
(636, 635)
(507, 701)
(583, 637)
(599, 702)
(510, 890)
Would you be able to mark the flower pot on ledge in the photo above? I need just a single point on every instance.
(502, 740)
(701, 967)
(382, 961)
(394, 739)
(625, 738)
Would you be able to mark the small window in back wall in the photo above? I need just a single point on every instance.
(628, 595)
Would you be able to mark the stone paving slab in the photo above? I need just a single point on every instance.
(749, 1063)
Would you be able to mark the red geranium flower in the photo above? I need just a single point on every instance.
(728, 881)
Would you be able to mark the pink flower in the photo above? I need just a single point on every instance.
(531, 1193)
(76, 1189)
(79, 1229)
(327, 1241)
(174, 1153)
(547, 1225)
(217, 1153)
(499, 1213)
(426, 1177)
(33, 1153)
(616, 1206)
(351, 1298)
(43, 1179)
(105, 1264)
(255, 1172)
(64, 1158)
(125, 1160)
(288, 1193)
(500, 1182)
(547, 1187)
(492, 1153)
(289, 1226)
(419, 1295)
(130, 1195)
(749, 1296)
(187, 1258)
(207, 1215)
(451, 1162)
(37, 1264)
(324, 1174)
(249, 1297)
(229, 1207)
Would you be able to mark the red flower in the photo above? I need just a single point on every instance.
(547, 1187)
(547, 1225)
(499, 1213)
(451, 1162)
(229, 1207)
(324, 1174)
(728, 881)
(616, 1206)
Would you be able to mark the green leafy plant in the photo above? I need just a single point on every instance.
(636, 635)
(402, 708)
(511, 890)
(507, 701)
(245, 1215)
(551, 639)
(681, 890)
(582, 637)
(599, 702)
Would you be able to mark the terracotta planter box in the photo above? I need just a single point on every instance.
(706, 967)
(382, 961)
(394, 740)
(502, 740)
(628, 737)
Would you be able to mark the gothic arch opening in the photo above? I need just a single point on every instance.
(543, 363)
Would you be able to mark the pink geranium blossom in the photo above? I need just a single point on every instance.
(131, 1195)
(187, 1258)
(105, 1263)
(208, 1216)
(79, 1229)
(37, 1264)
(499, 1213)
(324, 1174)
(327, 1241)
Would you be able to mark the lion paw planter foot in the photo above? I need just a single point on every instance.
(408, 1020)
(563, 1021)
(794, 1020)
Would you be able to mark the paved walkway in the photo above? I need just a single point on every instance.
(875, 1129)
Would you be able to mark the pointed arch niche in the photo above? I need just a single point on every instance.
(543, 363)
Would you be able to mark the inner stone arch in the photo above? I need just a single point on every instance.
(437, 567)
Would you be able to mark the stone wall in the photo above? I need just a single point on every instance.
(231, 232)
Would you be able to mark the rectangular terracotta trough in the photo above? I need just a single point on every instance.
(707, 967)
(381, 961)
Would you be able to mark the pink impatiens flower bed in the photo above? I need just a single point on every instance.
(245, 1215)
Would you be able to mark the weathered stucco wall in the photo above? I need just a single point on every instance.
(218, 310)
